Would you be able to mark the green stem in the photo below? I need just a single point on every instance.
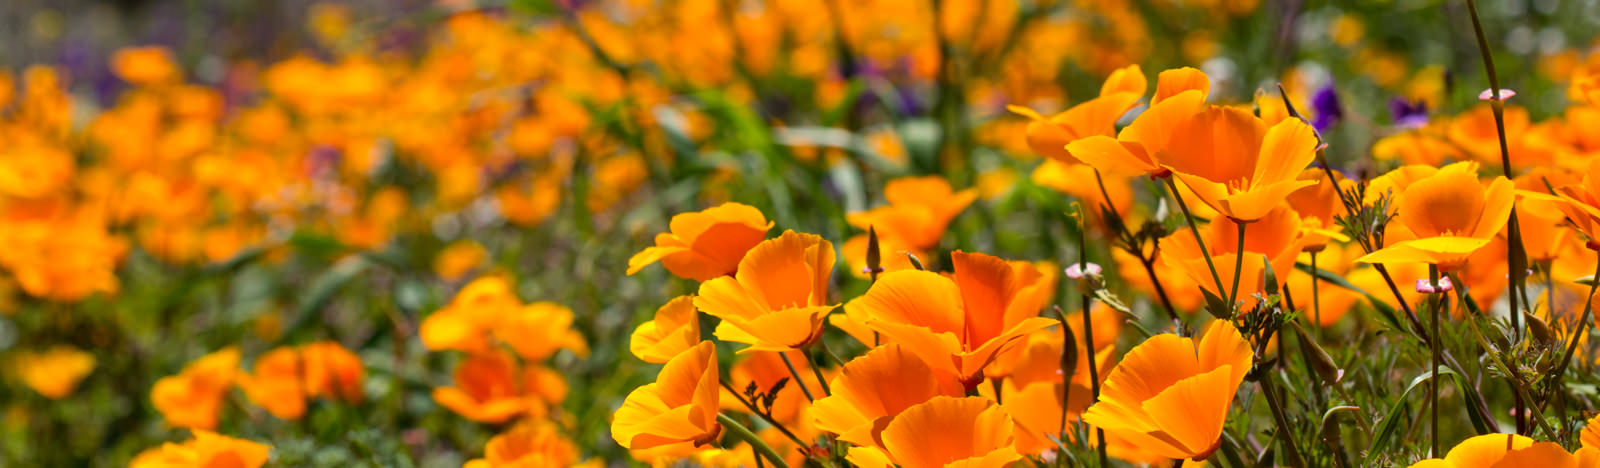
(1204, 253)
(796, 374)
(1433, 383)
(816, 370)
(757, 411)
(1238, 263)
(756, 443)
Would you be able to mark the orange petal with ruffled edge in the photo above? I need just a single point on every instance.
(680, 407)
(1434, 250)
(1173, 82)
(859, 397)
(780, 330)
(1129, 79)
(675, 329)
(947, 430)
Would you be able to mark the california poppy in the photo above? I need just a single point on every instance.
(527, 445)
(957, 324)
(1171, 396)
(919, 210)
(679, 409)
(1236, 164)
(705, 244)
(276, 383)
(206, 449)
(537, 330)
(54, 373)
(491, 387)
(1448, 216)
(1098, 116)
(466, 323)
(874, 388)
(675, 329)
(1491, 450)
(778, 299)
(333, 371)
(193, 398)
(972, 432)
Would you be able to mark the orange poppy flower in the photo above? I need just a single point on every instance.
(1541, 219)
(529, 445)
(958, 324)
(944, 431)
(1447, 216)
(1143, 145)
(276, 385)
(676, 328)
(679, 409)
(919, 210)
(1049, 136)
(1236, 164)
(874, 388)
(1278, 237)
(333, 371)
(145, 65)
(1491, 450)
(490, 388)
(1138, 149)
(54, 373)
(1170, 396)
(465, 324)
(459, 258)
(206, 449)
(1581, 202)
(193, 398)
(705, 244)
(537, 330)
(778, 299)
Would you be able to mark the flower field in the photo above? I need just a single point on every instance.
(799, 233)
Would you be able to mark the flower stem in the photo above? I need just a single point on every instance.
(796, 374)
(1238, 263)
(757, 411)
(1433, 383)
(1088, 344)
(1204, 252)
(759, 445)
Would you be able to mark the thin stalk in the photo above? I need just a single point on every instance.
(1161, 292)
(1238, 263)
(1148, 262)
(764, 416)
(1282, 419)
(816, 370)
(760, 446)
(796, 375)
(1433, 383)
(1515, 252)
(1204, 252)
(1088, 344)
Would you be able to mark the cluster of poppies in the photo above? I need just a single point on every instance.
(961, 368)
(280, 382)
